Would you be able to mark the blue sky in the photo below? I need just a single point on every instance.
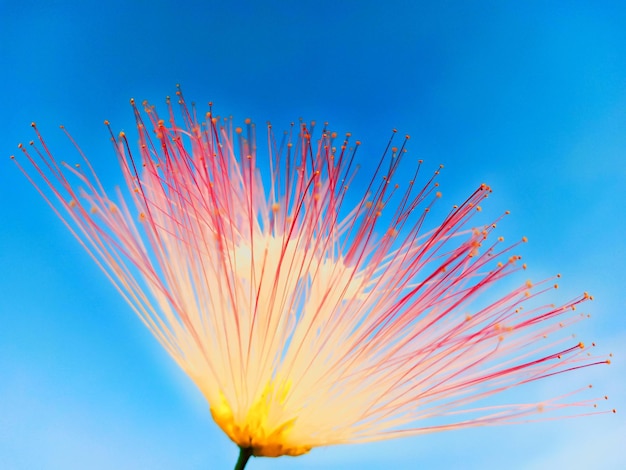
(529, 98)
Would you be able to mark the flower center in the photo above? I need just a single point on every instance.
(262, 430)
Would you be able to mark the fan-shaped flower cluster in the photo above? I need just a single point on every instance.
(311, 309)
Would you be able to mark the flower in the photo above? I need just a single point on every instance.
(304, 318)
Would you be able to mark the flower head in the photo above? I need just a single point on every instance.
(305, 318)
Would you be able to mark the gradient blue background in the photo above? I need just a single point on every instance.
(529, 97)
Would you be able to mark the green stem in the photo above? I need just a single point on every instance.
(244, 456)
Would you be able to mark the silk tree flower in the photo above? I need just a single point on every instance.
(305, 318)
